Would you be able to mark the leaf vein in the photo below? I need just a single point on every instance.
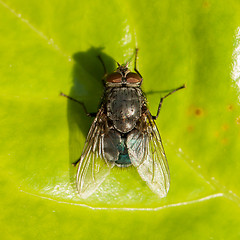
(49, 41)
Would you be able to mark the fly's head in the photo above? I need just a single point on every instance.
(123, 77)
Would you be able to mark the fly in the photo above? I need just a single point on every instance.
(122, 134)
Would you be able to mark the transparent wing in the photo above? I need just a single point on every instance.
(92, 169)
(147, 155)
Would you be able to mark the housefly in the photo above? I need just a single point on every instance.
(122, 134)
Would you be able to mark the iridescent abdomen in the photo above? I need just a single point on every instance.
(124, 107)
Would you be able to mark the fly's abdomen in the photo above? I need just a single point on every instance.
(124, 107)
(115, 148)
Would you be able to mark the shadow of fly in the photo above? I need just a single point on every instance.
(122, 134)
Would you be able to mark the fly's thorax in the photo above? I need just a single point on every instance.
(123, 106)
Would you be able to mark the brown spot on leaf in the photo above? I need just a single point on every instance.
(190, 128)
(198, 112)
(224, 141)
(230, 107)
(206, 4)
(225, 127)
(195, 111)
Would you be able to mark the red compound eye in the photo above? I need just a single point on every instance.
(133, 78)
(114, 77)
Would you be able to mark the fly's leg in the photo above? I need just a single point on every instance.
(104, 68)
(161, 100)
(103, 64)
(83, 105)
(135, 63)
(75, 163)
(85, 110)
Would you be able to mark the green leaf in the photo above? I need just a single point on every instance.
(49, 47)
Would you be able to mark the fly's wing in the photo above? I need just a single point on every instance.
(92, 169)
(147, 155)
